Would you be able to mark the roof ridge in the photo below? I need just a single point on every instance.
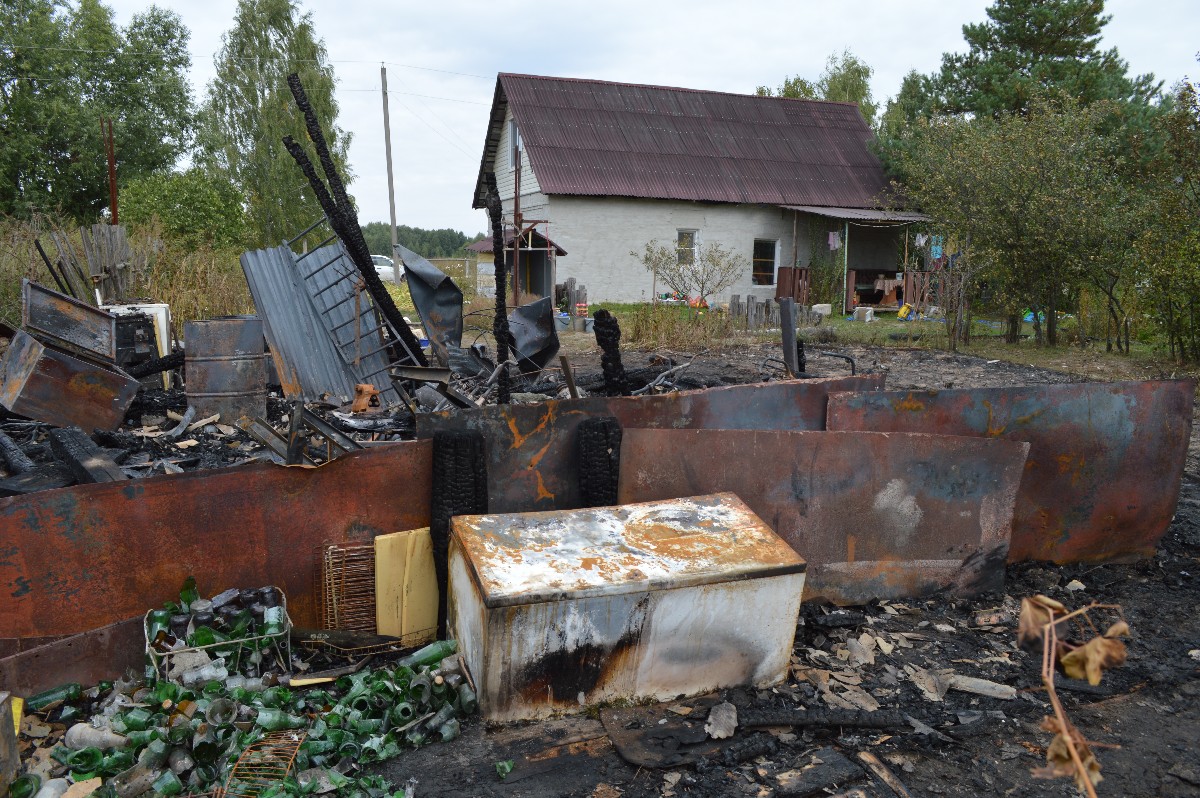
(500, 75)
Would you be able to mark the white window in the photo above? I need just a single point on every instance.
(686, 245)
(514, 143)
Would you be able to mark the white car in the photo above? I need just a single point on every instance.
(384, 268)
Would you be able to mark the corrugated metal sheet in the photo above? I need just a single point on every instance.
(591, 137)
(860, 214)
(320, 328)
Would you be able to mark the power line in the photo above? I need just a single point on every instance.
(257, 59)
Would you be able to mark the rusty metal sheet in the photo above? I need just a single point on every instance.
(875, 515)
(1105, 459)
(78, 558)
(66, 321)
(87, 658)
(531, 449)
(45, 384)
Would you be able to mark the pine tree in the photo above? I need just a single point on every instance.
(250, 109)
(1030, 46)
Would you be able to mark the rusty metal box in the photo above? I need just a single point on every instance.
(46, 384)
(557, 610)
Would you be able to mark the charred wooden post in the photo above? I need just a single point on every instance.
(500, 328)
(608, 336)
(787, 317)
(599, 461)
(459, 488)
(344, 221)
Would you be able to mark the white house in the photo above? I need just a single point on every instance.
(609, 166)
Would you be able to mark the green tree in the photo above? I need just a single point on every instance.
(62, 67)
(845, 79)
(1170, 242)
(194, 207)
(1034, 201)
(443, 243)
(250, 109)
(1029, 46)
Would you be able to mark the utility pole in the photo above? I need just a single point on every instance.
(387, 145)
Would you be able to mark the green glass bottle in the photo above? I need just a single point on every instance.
(277, 719)
(64, 692)
(168, 784)
(25, 786)
(85, 760)
(434, 652)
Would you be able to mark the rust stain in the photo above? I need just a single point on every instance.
(519, 438)
(909, 403)
(542, 492)
(851, 543)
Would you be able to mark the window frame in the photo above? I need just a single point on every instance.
(754, 262)
(694, 249)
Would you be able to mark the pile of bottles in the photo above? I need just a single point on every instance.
(240, 628)
(170, 738)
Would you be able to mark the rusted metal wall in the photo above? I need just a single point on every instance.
(875, 515)
(531, 449)
(87, 658)
(1105, 459)
(79, 558)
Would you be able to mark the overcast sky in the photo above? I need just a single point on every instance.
(442, 59)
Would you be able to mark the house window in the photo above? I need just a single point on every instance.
(514, 142)
(763, 269)
(685, 246)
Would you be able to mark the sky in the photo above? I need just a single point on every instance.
(442, 60)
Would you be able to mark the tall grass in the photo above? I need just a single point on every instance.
(676, 327)
(197, 283)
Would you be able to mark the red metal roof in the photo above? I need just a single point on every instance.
(593, 137)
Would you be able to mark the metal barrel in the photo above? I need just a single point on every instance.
(226, 367)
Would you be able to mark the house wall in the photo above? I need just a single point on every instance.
(598, 234)
(506, 175)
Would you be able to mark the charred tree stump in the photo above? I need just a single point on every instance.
(608, 336)
(459, 488)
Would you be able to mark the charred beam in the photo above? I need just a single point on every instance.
(500, 328)
(344, 221)
(82, 457)
(17, 461)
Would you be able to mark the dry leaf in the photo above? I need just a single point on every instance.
(1059, 762)
(1036, 612)
(1118, 629)
(884, 646)
(860, 698)
(1092, 659)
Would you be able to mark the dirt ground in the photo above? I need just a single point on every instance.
(1144, 717)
